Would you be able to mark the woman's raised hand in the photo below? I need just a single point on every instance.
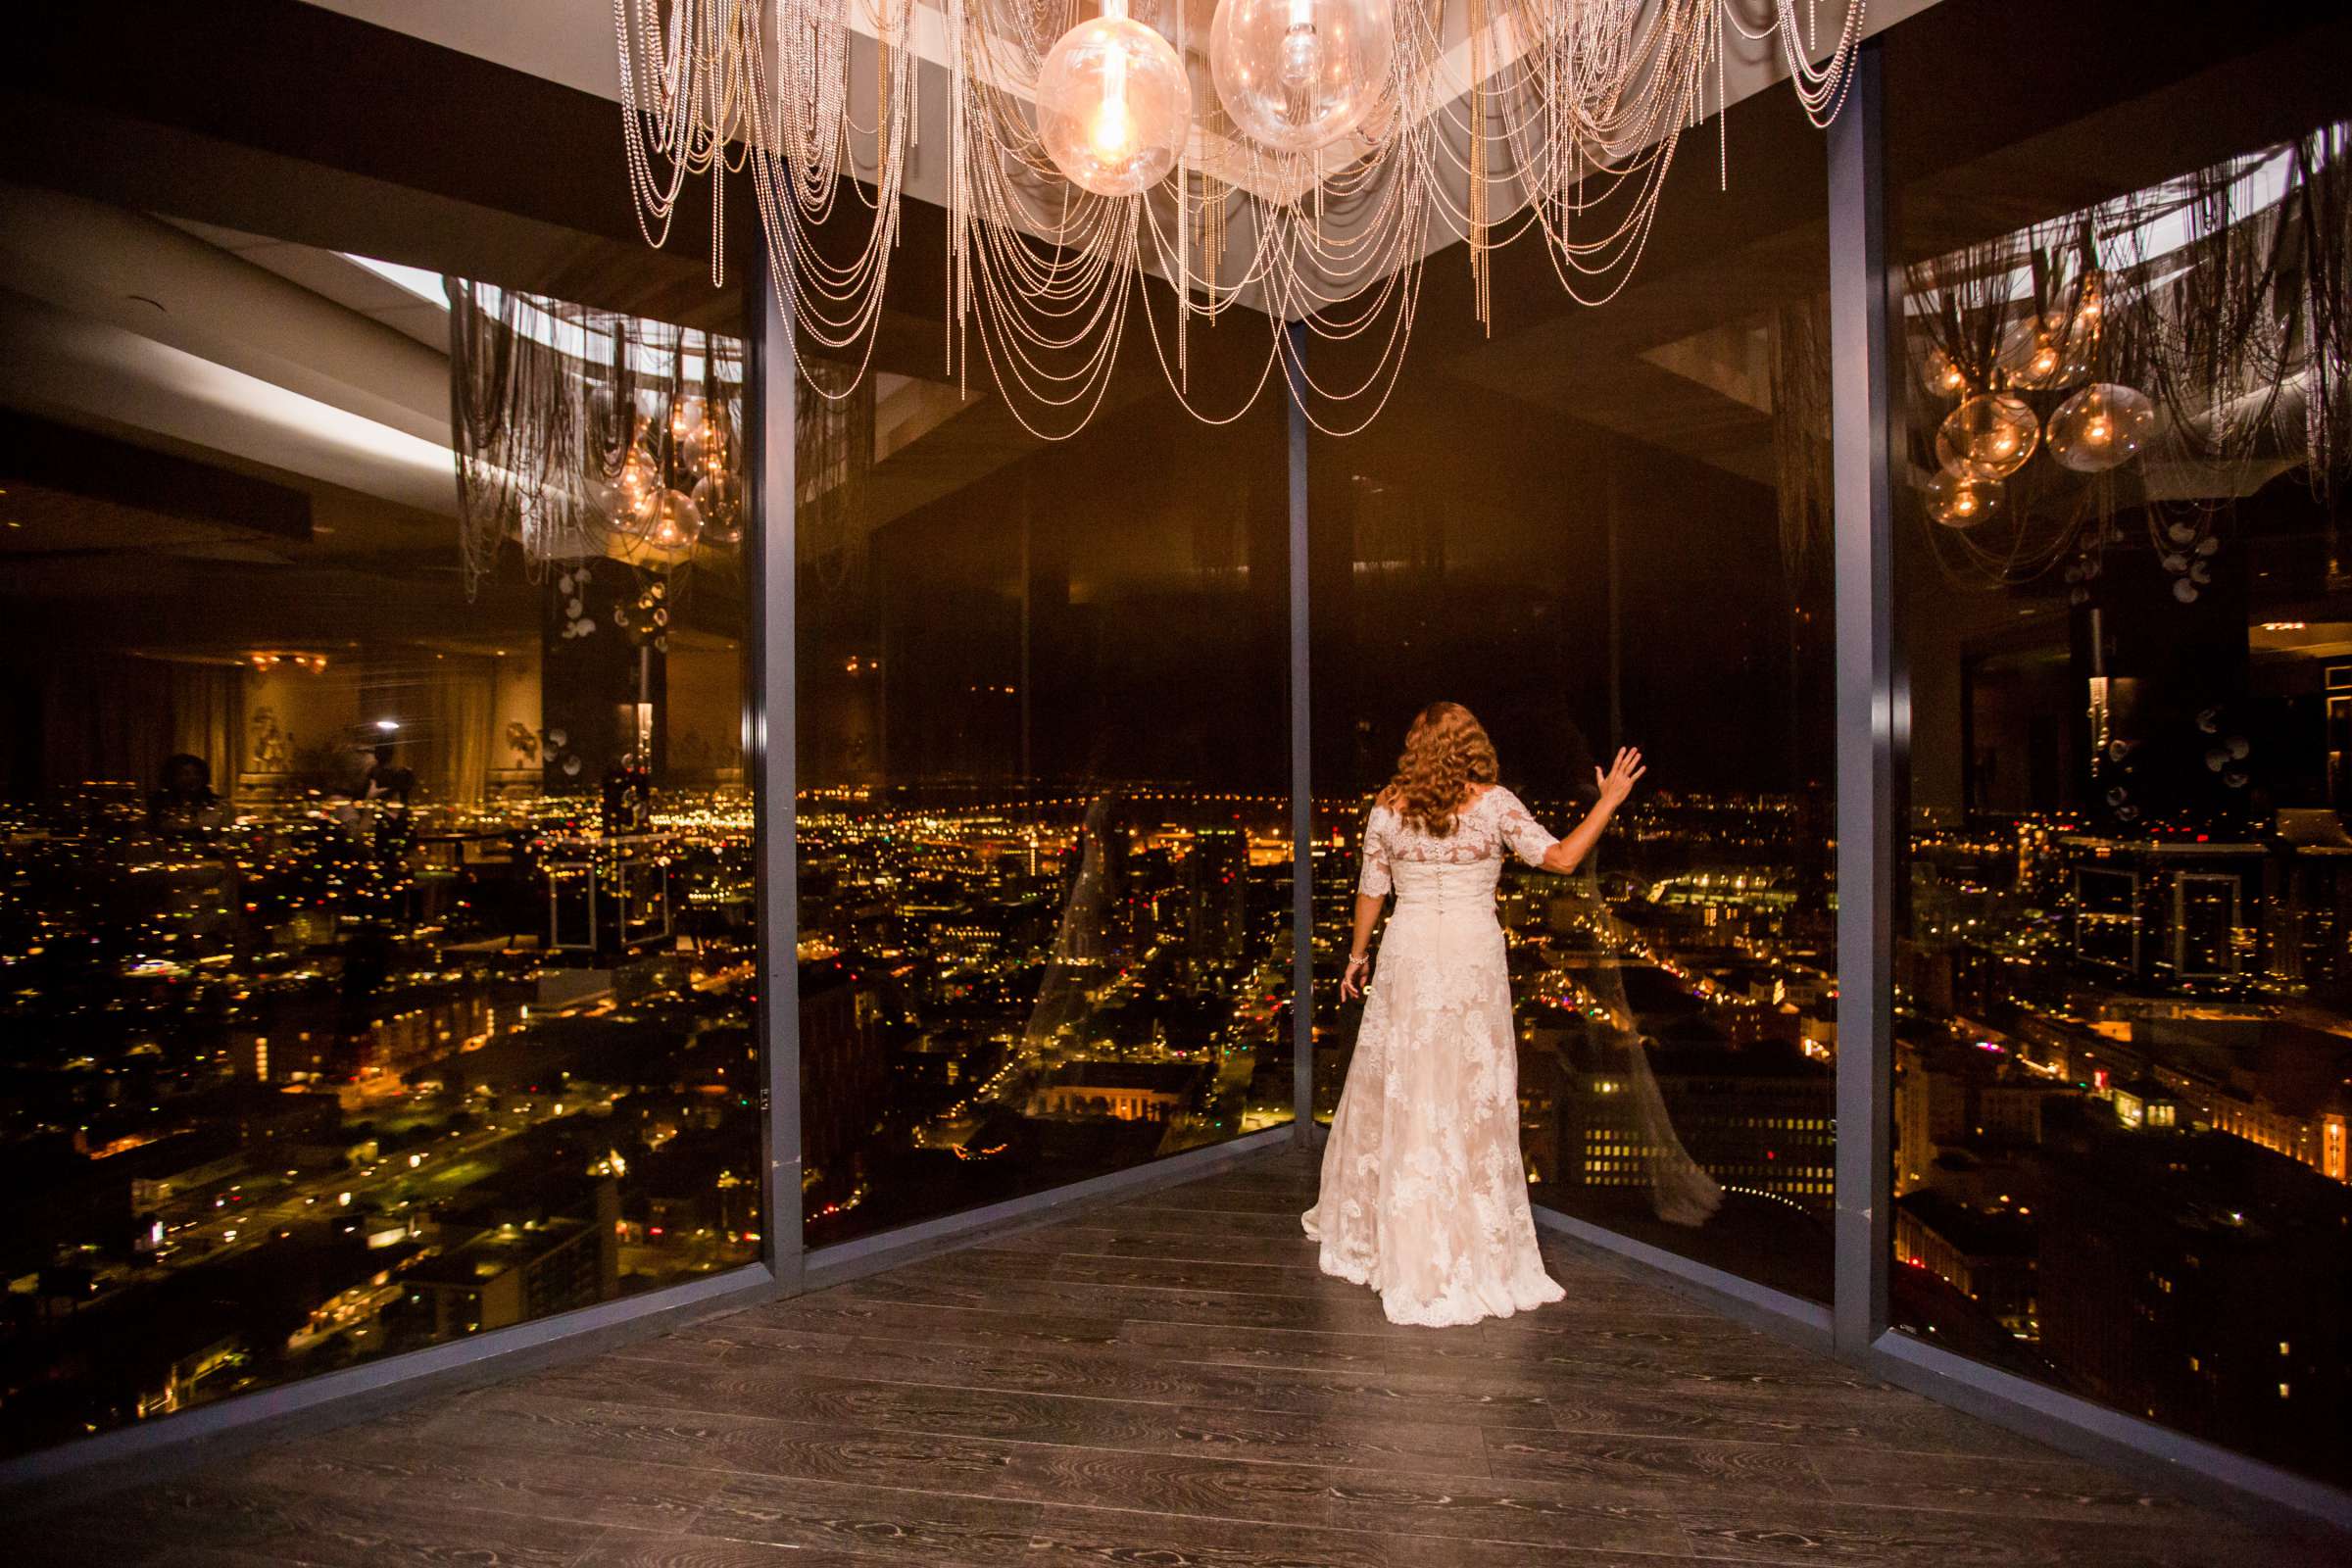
(1618, 782)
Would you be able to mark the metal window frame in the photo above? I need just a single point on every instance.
(1868, 702)
(1303, 1132)
(774, 723)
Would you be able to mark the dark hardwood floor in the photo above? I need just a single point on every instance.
(1168, 1382)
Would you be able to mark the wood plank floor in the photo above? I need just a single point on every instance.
(1167, 1382)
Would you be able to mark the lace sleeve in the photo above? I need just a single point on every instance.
(1526, 838)
(1374, 881)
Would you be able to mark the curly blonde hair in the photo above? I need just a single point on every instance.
(1446, 751)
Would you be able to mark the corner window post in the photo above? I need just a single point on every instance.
(1870, 708)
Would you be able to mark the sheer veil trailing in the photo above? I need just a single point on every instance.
(1680, 1191)
(1081, 935)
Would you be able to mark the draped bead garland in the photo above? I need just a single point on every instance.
(1555, 120)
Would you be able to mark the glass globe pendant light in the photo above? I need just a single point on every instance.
(1989, 436)
(686, 421)
(715, 495)
(1113, 104)
(622, 495)
(1941, 374)
(1299, 75)
(721, 505)
(2077, 339)
(2035, 358)
(2103, 427)
(663, 530)
(1960, 500)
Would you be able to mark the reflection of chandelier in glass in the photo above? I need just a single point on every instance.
(1994, 431)
(583, 432)
(1342, 146)
(2182, 345)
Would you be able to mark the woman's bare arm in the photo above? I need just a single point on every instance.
(1615, 785)
(1359, 944)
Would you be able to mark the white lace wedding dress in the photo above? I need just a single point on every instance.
(1424, 1191)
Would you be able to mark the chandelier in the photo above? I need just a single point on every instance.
(1302, 156)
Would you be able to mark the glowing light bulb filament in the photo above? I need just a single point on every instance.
(1114, 131)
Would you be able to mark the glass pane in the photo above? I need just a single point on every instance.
(376, 965)
(2121, 1019)
(1608, 525)
(1044, 838)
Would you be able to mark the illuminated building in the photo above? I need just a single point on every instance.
(515, 1261)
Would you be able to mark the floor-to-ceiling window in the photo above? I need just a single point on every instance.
(2124, 974)
(1598, 526)
(1044, 814)
(376, 960)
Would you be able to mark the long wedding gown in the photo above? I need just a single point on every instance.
(1424, 1189)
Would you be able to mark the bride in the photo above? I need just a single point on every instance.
(1424, 1191)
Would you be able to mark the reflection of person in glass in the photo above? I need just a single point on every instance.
(626, 794)
(194, 885)
(388, 786)
(1424, 1189)
(187, 802)
(387, 780)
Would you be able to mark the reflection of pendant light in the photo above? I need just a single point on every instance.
(2036, 358)
(1989, 436)
(704, 448)
(2091, 307)
(1113, 104)
(715, 492)
(664, 531)
(716, 498)
(1943, 375)
(1299, 75)
(1962, 500)
(640, 477)
(2103, 427)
